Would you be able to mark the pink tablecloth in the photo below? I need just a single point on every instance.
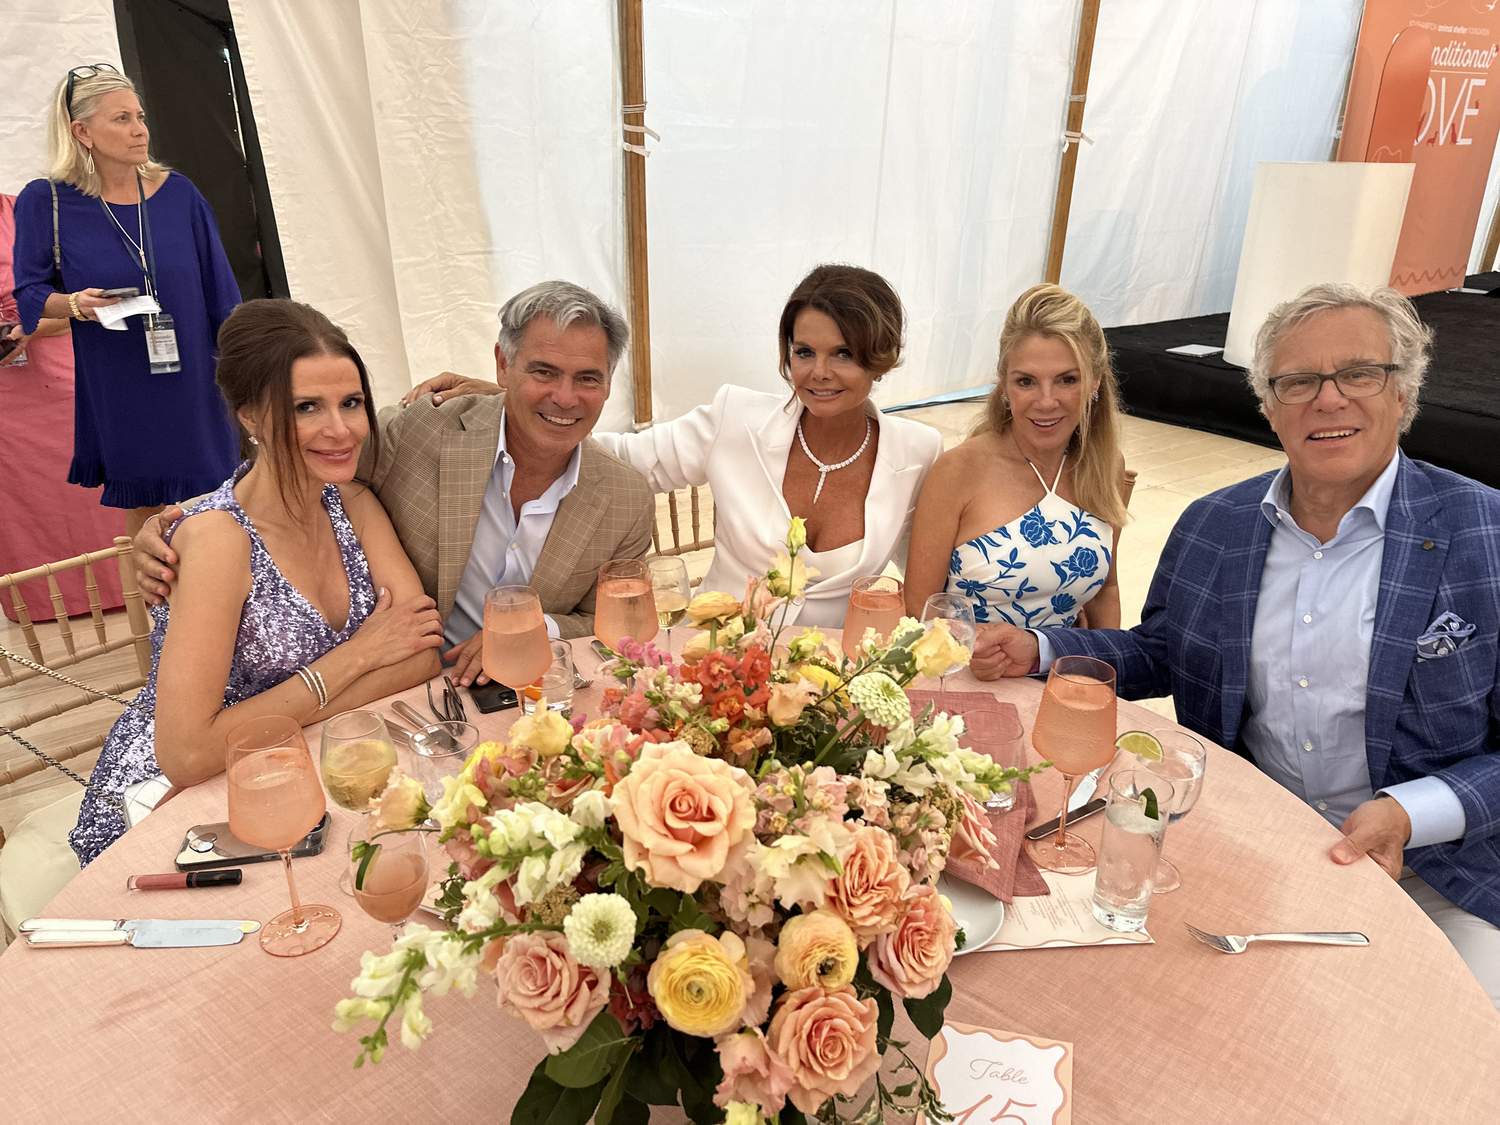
(1170, 1032)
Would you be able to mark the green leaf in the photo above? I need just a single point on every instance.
(544, 1101)
(665, 902)
(927, 1013)
(596, 1053)
(652, 1072)
(887, 1015)
(573, 1108)
(689, 917)
(703, 1074)
(614, 1090)
(791, 1115)
(632, 1112)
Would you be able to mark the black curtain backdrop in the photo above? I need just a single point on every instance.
(183, 57)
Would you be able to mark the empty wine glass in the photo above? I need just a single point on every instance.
(275, 800)
(1182, 760)
(389, 871)
(671, 589)
(959, 614)
(1075, 729)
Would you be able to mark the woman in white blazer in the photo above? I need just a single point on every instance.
(826, 454)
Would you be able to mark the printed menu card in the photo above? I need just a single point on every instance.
(984, 1076)
(1058, 920)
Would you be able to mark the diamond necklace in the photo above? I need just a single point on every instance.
(824, 470)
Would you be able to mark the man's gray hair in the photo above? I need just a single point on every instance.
(566, 304)
(1411, 340)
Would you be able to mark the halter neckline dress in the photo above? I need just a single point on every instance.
(1038, 570)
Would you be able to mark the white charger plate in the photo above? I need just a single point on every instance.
(978, 913)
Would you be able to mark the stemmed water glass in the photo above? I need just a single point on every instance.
(1075, 728)
(275, 800)
(1182, 760)
(517, 650)
(671, 590)
(389, 872)
(626, 604)
(959, 614)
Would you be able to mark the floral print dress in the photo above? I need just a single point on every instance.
(1038, 570)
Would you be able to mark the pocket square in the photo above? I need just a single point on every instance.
(1443, 637)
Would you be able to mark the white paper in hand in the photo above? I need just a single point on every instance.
(113, 316)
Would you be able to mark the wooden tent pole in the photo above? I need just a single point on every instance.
(1088, 23)
(633, 81)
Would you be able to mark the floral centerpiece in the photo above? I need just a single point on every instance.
(716, 891)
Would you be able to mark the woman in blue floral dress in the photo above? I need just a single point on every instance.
(1023, 517)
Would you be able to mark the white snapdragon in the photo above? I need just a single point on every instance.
(881, 764)
(415, 1026)
(591, 809)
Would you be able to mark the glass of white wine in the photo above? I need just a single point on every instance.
(356, 758)
(672, 590)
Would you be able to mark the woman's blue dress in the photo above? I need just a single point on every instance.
(149, 439)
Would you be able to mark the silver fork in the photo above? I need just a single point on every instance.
(1236, 943)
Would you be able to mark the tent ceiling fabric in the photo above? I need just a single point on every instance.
(44, 39)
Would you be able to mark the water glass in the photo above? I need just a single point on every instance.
(1001, 736)
(1130, 848)
(430, 762)
(1183, 757)
(556, 684)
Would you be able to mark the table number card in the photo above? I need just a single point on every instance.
(987, 1076)
(1059, 920)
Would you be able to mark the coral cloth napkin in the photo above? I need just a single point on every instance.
(1016, 875)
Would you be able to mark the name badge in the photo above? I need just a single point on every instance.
(161, 345)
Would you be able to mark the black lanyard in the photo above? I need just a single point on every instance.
(147, 252)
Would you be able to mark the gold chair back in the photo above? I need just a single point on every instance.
(670, 540)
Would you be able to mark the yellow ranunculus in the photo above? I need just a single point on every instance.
(712, 605)
(700, 983)
(546, 732)
(816, 949)
(826, 681)
(937, 652)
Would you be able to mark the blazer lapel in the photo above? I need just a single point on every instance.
(465, 461)
(771, 443)
(573, 528)
(1244, 559)
(1416, 546)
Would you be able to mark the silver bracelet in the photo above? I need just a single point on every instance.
(314, 683)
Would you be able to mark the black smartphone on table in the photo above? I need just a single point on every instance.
(493, 696)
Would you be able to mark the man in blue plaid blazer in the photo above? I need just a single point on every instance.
(1338, 622)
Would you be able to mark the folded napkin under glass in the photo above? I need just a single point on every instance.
(1016, 874)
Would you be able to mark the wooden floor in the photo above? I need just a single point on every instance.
(1175, 467)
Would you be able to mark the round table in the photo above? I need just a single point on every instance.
(1167, 1032)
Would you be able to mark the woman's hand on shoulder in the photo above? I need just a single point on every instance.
(213, 554)
(449, 385)
(398, 629)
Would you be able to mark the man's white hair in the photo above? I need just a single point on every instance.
(1411, 340)
(566, 304)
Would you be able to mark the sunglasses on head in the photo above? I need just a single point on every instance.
(85, 72)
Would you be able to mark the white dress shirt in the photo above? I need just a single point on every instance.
(505, 549)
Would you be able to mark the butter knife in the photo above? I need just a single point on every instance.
(436, 734)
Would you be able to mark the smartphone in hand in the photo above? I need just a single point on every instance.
(125, 291)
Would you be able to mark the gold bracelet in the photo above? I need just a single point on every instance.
(73, 304)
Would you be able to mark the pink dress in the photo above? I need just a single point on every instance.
(43, 518)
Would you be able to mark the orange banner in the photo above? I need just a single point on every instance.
(1423, 91)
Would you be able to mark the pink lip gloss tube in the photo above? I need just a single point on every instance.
(177, 880)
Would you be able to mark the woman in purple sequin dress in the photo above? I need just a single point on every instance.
(289, 565)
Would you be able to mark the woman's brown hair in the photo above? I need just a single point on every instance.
(862, 304)
(258, 344)
(1049, 310)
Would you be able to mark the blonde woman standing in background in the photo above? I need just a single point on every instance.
(1023, 518)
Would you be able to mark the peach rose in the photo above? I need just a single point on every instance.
(912, 960)
(682, 815)
(816, 949)
(752, 1073)
(972, 839)
(868, 893)
(827, 1040)
(541, 983)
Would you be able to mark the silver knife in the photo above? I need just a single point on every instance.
(142, 933)
(1074, 816)
(435, 733)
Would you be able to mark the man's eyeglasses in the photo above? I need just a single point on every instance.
(1364, 381)
(85, 72)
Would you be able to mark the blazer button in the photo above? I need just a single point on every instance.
(1427, 544)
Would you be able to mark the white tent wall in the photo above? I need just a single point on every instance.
(1185, 98)
(44, 40)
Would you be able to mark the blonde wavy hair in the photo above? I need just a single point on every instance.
(67, 158)
(1049, 310)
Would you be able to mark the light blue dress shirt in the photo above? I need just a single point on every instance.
(1309, 665)
(505, 549)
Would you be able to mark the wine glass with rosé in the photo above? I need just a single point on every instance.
(1075, 728)
(274, 800)
(875, 602)
(389, 872)
(517, 649)
(626, 603)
